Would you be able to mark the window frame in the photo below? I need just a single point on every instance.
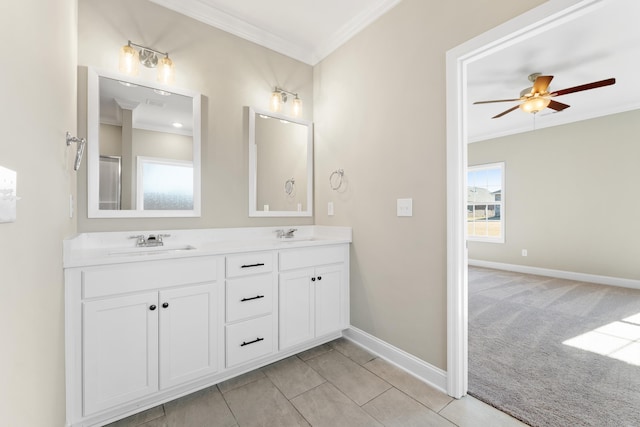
(489, 166)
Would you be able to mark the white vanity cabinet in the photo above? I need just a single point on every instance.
(251, 329)
(146, 325)
(140, 328)
(313, 293)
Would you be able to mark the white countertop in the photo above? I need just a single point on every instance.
(103, 248)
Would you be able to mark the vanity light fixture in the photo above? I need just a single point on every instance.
(131, 57)
(280, 96)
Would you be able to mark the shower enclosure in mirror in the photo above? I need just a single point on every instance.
(280, 165)
(143, 148)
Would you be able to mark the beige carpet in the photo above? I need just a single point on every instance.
(533, 344)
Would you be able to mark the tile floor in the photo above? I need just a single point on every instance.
(333, 385)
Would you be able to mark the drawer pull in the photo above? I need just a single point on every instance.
(252, 298)
(251, 342)
(260, 264)
(153, 307)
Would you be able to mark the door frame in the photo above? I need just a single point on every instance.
(542, 18)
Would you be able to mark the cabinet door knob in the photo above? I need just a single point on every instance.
(319, 277)
(165, 304)
(152, 307)
(313, 279)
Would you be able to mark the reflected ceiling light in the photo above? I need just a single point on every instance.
(177, 125)
(131, 57)
(280, 96)
(535, 103)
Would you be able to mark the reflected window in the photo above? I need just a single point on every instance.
(485, 202)
(165, 184)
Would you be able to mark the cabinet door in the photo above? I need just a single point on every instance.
(328, 299)
(296, 307)
(120, 345)
(188, 333)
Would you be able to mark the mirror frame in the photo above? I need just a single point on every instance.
(93, 149)
(253, 166)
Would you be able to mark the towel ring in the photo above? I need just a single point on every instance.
(289, 186)
(335, 179)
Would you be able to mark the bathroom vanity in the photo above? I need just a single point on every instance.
(148, 324)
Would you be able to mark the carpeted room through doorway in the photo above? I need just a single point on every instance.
(554, 352)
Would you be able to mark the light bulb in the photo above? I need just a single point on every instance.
(129, 60)
(166, 73)
(296, 108)
(276, 102)
(535, 104)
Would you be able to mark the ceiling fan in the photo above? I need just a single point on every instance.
(537, 97)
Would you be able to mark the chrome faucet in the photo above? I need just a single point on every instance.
(150, 241)
(288, 234)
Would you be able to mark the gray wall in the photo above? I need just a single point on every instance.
(230, 72)
(571, 197)
(38, 96)
(380, 114)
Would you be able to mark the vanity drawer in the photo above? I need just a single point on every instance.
(249, 297)
(141, 276)
(311, 257)
(249, 340)
(251, 263)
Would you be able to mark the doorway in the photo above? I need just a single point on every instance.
(528, 25)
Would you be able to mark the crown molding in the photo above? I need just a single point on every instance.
(203, 12)
(353, 27)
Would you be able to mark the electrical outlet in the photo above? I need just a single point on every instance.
(404, 207)
(524, 252)
(330, 208)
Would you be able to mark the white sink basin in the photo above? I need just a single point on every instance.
(157, 250)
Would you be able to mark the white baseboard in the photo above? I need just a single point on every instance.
(560, 274)
(420, 369)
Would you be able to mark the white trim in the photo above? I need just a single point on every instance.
(420, 369)
(560, 274)
(351, 28)
(548, 15)
(311, 55)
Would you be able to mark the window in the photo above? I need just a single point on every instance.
(485, 202)
(164, 184)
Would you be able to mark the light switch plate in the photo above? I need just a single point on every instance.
(405, 207)
(330, 208)
(8, 198)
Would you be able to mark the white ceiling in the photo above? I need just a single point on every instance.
(307, 30)
(602, 44)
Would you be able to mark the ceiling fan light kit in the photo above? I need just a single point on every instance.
(537, 97)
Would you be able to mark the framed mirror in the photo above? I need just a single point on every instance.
(143, 148)
(280, 165)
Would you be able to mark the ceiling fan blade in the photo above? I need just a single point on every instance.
(587, 86)
(496, 100)
(541, 84)
(558, 106)
(506, 112)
